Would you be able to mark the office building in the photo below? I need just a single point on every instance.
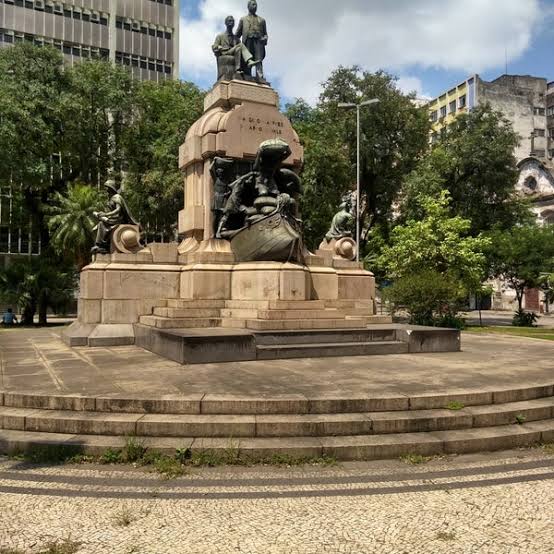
(140, 34)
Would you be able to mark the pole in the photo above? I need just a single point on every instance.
(358, 185)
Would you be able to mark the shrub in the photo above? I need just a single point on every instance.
(524, 319)
(430, 298)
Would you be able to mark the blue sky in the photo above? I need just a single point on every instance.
(430, 44)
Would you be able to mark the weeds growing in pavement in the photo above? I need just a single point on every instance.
(548, 448)
(455, 406)
(521, 419)
(173, 466)
(416, 459)
(124, 517)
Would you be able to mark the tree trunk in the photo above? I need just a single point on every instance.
(519, 296)
(28, 316)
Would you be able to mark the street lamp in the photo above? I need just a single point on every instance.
(358, 107)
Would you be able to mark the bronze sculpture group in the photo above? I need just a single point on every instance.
(236, 57)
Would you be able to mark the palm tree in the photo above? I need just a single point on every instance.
(37, 283)
(72, 222)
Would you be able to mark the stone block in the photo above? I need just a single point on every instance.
(197, 426)
(126, 311)
(270, 281)
(112, 335)
(325, 283)
(206, 282)
(230, 93)
(75, 423)
(92, 285)
(164, 253)
(179, 404)
(77, 334)
(142, 257)
(522, 394)
(231, 404)
(49, 402)
(90, 311)
(356, 284)
(140, 282)
(191, 219)
(430, 339)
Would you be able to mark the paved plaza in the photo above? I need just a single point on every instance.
(37, 361)
(501, 503)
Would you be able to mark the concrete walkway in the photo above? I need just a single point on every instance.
(37, 361)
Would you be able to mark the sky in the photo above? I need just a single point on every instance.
(430, 45)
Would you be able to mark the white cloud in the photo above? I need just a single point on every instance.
(308, 38)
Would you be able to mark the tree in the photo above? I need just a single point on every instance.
(162, 115)
(395, 134)
(32, 83)
(97, 106)
(474, 160)
(327, 173)
(434, 261)
(35, 284)
(523, 257)
(71, 222)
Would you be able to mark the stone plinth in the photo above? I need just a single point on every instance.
(238, 117)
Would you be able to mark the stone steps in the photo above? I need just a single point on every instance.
(300, 324)
(188, 313)
(326, 336)
(273, 425)
(358, 447)
(330, 350)
(160, 322)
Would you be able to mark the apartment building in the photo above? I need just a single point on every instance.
(140, 34)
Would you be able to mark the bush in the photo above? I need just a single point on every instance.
(430, 298)
(524, 319)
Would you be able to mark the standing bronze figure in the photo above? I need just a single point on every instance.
(253, 30)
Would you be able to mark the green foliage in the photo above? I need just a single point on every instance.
(394, 135)
(66, 546)
(37, 283)
(71, 222)
(522, 256)
(328, 173)
(521, 419)
(431, 298)
(162, 115)
(524, 319)
(474, 161)
(455, 406)
(433, 264)
(111, 456)
(134, 450)
(416, 459)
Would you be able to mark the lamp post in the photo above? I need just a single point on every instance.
(358, 107)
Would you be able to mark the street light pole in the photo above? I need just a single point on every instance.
(358, 107)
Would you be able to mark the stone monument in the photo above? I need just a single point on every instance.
(242, 262)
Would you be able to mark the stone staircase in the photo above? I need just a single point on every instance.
(258, 427)
(263, 315)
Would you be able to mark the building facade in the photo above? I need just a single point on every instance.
(528, 102)
(140, 34)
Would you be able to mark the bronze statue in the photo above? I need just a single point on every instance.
(253, 30)
(219, 171)
(343, 222)
(118, 214)
(228, 45)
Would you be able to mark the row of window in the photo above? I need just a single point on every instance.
(453, 107)
(160, 66)
(57, 8)
(539, 111)
(550, 111)
(166, 2)
(70, 48)
(144, 28)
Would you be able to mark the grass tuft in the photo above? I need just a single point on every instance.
(446, 536)
(415, 459)
(455, 406)
(66, 546)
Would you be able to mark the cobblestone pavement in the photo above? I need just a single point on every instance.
(501, 503)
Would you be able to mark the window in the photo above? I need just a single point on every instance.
(48, 8)
(29, 4)
(127, 25)
(453, 107)
(159, 33)
(152, 32)
(143, 63)
(550, 111)
(434, 116)
(119, 24)
(67, 12)
(167, 69)
(539, 111)
(103, 20)
(539, 132)
(551, 133)
(168, 35)
(76, 15)
(144, 29)
(443, 111)
(19, 3)
(462, 102)
(66, 49)
(86, 16)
